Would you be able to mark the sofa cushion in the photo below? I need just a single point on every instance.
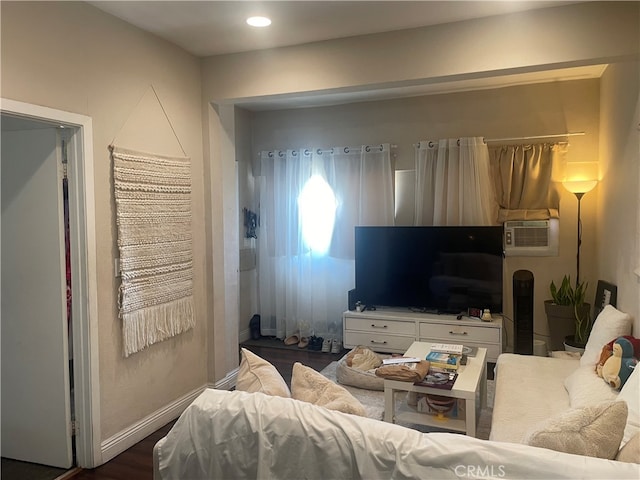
(630, 453)
(528, 390)
(585, 387)
(257, 375)
(594, 431)
(310, 386)
(630, 394)
(610, 324)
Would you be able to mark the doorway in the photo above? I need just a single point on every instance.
(44, 300)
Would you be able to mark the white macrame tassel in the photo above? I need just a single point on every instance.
(147, 326)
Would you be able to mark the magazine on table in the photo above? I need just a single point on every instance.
(442, 380)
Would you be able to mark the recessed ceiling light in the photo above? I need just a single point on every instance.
(259, 21)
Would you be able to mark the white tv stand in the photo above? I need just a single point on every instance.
(393, 330)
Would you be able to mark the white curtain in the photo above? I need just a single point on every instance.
(453, 183)
(310, 202)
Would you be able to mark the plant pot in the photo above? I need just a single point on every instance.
(570, 345)
(562, 322)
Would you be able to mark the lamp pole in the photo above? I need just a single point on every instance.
(579, 197)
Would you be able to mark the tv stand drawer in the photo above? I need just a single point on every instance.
(378, 342)
(380, 325)
(452, 333)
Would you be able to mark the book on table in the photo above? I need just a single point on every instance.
(445, 361)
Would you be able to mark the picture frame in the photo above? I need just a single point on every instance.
(606, 294)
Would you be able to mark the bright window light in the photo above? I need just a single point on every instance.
(259, 21)
(317, 205)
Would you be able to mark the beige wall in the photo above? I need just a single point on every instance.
(573, 35)
(619, 190)
(70, 56)
(539, 109)
(582, 34)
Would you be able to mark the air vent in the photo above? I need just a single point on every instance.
(531, 237)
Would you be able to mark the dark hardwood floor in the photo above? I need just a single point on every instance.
(136, 463)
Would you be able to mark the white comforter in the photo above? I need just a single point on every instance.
(234, 435)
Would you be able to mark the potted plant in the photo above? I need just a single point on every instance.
(568, 315)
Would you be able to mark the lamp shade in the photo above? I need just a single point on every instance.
(580, 186)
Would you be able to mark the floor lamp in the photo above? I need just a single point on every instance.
(579, 188)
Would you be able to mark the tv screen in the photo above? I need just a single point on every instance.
(439, 269)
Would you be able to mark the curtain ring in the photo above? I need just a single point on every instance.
(307, 151)
(332, 151)
(431, 144)
(458, 142)
(281, 154)
(346, 149)
(270, 154)
(294, 153)
(367, 149)
(381, 147)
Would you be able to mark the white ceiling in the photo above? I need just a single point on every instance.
(206, 28)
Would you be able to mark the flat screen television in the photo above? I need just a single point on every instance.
(432, 269)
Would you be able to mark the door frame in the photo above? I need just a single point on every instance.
(84, 302)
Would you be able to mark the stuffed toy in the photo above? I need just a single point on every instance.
(607, 351)
(618, 367)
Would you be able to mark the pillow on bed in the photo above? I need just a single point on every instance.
(310, 386)
(257, 375)
(610, 324)
(594, 431)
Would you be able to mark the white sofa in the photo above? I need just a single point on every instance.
(250, 434)
(532, 391)
(229, 435)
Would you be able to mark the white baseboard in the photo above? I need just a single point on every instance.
(128, 437)
(228, 382)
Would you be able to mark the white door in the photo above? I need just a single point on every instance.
(35, 370)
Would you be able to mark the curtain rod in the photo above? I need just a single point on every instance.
(534, 137)
(320, 151)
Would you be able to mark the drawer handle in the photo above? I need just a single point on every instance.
(457, 333)
(378, 326)
(381, 343)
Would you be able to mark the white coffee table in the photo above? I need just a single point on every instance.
(470, 385)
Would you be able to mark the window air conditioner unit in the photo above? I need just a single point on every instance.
(531, 238)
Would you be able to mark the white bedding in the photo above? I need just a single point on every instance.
(224, 435)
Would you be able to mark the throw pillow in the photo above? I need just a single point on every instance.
(585, 388)
(610, 324)
(594, 431)
(257, 375)
(310, 386)
(630, 453)
(630, 394)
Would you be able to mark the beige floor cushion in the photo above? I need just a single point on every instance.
(365, 379)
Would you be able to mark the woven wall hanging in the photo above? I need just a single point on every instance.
(153, 216)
